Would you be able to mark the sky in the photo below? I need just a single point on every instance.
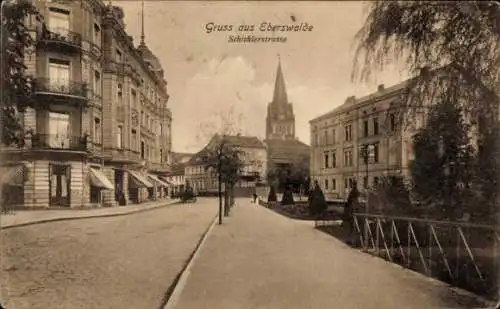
(212, 82)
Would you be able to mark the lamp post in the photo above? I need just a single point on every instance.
(367, 154)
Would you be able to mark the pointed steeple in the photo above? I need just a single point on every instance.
(142, 24)
(280, 96)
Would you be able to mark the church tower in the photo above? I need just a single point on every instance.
(280, 120)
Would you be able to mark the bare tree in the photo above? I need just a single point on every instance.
(222, 157)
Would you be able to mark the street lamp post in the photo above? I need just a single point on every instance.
(367, 154)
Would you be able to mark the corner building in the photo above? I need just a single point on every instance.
(86, 144)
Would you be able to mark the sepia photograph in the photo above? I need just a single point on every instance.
(169, 154)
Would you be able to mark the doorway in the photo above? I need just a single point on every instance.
(60, 184)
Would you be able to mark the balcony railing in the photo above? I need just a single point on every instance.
(54, 141)
(62, 36)
(61, 87)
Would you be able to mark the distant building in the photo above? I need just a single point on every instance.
(181, 157)
(339, 138)
(254, 155)
(176, 177)
(283, 148)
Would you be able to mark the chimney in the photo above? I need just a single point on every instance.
(381, 87)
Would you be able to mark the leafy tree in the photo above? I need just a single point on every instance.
(287, 198)
(393, 195)
(442, 169)
(454, 49)
(293, 176)
(272, 195)
(17, 86)
(317, 201)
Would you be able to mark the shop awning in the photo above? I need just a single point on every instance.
(99, 180)
(165, 180)
(139, 180)
(12, 175)
(158, 180)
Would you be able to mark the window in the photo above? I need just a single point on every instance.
(97, 131)
(58, 21)
(97, 83)
(134, 98)
(375, 153)
(375, 126)
(134, 140)
(59, 130)
(392, 122)
(161, 155)
(348, 133)
(326, 159)
(375, 181)
(334, 139)
(365, 181)
(118, 55)
(334, 184)
(161, 129)
(326, 184)
(119, 93)
(143, 117)
(365, 128)
(119, 137)
(316, 140)
(334, 159)
(59, 74)
(97, 35)
(325, 138)
(348, 158)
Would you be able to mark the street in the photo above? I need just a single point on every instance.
(114, 262)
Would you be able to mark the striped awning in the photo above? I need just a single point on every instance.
(160, 182)
(99, 180)
(12, 175)
(139, 180)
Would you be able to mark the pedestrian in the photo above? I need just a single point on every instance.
(255, 196)
(348, 217)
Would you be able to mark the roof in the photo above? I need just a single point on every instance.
(286, 151)
(181, 157)
(352, 101)
(245, 141)
(177, 169)
(232, 140)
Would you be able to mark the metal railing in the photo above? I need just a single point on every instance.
(53, 141)
(61, 87)
(62, 35)
(462, 254)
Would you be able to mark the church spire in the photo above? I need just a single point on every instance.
(142, 24)
(280, 96)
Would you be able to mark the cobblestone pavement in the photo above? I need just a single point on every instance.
(259, 259)
(21, 217)
(110, 262)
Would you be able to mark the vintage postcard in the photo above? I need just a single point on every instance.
(249, 154)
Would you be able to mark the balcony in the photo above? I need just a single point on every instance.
(61, 39)
(66, 91)
(55, 142)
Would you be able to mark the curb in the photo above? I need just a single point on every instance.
(175, 290)
(459, 291)
(85, 217)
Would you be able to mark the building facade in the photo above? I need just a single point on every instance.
(361, 140)
(254, 157)
(84, 131)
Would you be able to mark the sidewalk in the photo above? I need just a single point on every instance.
(26, 217)
(259, 259)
